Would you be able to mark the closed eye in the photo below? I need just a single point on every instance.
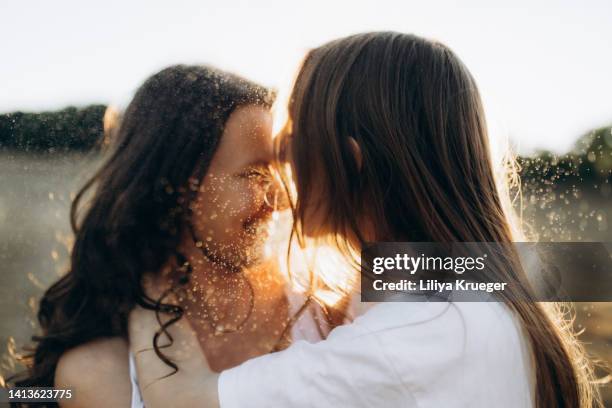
(259, 174)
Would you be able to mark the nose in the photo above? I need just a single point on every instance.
(275, 197)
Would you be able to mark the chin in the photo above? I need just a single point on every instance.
(245, 249)
(245, 256)
(242, 261)
(254, 254)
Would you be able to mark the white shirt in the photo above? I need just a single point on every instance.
(136, 399)
(411, 354)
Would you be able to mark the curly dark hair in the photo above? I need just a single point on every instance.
(134, 220)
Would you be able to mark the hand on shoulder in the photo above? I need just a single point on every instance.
(194, 384)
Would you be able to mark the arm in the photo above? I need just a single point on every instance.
(345, 370)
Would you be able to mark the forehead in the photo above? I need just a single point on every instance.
(246, 139)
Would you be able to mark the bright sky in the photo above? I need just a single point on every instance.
(544, 67)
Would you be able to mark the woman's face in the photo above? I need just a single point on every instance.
(232, 208)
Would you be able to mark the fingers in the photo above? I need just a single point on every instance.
(179, 344)
(142, 326)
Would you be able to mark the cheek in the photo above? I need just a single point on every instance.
(243, 199)
(222, 209)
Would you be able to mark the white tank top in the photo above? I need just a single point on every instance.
(136, 397)
(305, 328)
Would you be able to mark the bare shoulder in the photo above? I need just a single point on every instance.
(98, 374)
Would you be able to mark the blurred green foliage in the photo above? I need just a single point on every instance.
(589, 163)
(67, 129)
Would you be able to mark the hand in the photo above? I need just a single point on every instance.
(194, 385)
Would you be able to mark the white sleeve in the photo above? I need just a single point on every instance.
(396, 355)
(343, 371)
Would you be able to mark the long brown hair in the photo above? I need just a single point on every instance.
(137, 211)
(425, 174)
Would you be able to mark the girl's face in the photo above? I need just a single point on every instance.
(233, 205)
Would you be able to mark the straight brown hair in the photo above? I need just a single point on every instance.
(426, 174)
